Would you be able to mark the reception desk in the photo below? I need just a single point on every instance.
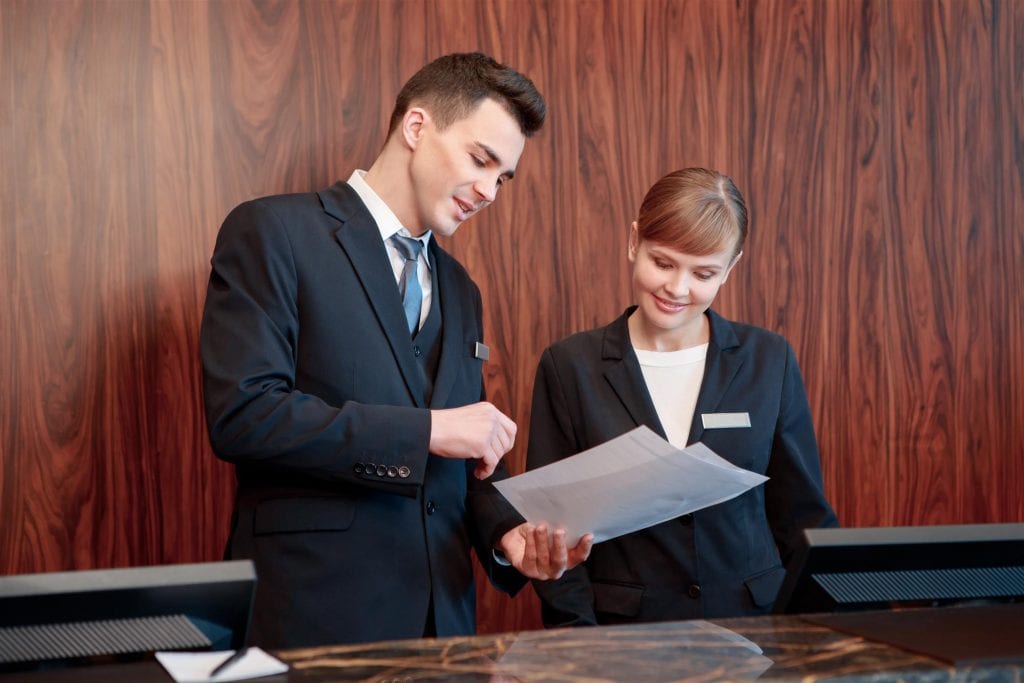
(777, 648)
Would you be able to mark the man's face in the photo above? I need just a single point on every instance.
(458, 171)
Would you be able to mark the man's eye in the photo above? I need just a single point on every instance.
(478, 161)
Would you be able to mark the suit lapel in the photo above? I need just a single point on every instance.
(721, 368)
(453, 345)
(623, 373)
(360, 239)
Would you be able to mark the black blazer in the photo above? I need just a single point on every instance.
(726, 560)
(313, 391)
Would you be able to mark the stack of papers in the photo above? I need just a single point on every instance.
(632, 482)
(197, 667)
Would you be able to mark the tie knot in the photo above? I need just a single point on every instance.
(408, 247)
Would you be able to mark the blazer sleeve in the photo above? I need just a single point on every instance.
(490, 514)
(255, 415)
(569, 600)
(795, 493)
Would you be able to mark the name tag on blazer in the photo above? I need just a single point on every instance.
(480, 351)
(725, 420)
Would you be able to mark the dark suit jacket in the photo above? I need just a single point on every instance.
(313, 390)
(726, 560)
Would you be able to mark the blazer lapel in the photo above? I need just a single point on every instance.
(360, 239)
(721, 368)
(454, 349)
(624, 375)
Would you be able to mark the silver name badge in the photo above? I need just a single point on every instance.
(481, 351)
(725, 420)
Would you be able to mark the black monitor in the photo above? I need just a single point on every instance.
(846, 569)
(61, 618)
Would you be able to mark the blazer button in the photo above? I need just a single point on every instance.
(416, 351)
(431, 507)
(693, 591)
(358, 468)
(404, 472)
(381, 470)
(392, 472)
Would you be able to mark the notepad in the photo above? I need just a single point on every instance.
(195, 667)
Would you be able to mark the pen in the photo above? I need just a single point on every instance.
(229, 661)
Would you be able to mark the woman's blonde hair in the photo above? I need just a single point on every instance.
(694, 211)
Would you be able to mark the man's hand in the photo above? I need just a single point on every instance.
(477, 432)
(538, 555)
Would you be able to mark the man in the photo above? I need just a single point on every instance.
(342, 376)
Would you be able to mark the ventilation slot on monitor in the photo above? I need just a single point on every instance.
(923, 584)
(95, 638)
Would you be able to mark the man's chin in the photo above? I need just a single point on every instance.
(447, 230)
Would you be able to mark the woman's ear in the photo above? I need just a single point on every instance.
(735, 259)
(634, 242)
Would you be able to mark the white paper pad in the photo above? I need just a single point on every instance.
(629, 483)
(195, 667)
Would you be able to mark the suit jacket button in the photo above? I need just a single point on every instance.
(358, 468)
(416, 351)
(392, 472)
(693, 591)
(404, 472)
(431, 507)
(381, 470)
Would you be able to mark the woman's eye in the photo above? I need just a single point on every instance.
(478, 161)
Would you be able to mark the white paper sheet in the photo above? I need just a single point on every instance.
(629, 483)
(195, 667)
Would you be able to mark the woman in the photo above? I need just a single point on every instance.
(672, 363)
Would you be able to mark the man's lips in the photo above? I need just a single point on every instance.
(465, 207)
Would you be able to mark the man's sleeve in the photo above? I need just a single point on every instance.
(248, 344)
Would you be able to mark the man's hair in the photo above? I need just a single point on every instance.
(695, 211)
(453, 86)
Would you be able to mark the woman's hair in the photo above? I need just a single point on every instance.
(695, 211)
(452, 87)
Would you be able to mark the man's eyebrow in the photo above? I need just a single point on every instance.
(493, 156)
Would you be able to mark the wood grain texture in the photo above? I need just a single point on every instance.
(880, 146)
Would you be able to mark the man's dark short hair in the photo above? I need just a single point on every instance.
(453, 86)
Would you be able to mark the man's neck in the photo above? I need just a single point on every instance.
(389, 178)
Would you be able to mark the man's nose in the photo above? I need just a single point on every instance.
(487, 188)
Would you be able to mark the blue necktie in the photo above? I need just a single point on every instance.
(409, 286)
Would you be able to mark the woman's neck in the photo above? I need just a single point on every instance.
(646, 337)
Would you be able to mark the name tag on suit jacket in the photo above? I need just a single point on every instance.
(725, 420)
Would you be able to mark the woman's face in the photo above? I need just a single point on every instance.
(673, 289)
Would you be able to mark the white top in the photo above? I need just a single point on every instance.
(388, 224)
(673, 379)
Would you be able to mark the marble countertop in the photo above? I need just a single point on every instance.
(776, 648)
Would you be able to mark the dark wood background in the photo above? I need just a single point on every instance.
(880, 146)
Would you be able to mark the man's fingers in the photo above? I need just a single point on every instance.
(541, 541)
(485, 466)
(529, 551)
(581, 551)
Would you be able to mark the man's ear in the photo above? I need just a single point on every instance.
(414, 124)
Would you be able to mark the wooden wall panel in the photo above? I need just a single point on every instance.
(878, 145)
